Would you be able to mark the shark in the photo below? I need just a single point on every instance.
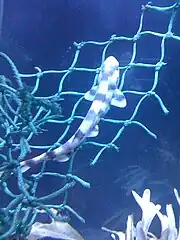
(104, 95)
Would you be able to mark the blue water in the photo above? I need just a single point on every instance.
(41, 33)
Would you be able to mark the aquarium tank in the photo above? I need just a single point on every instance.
(89, 119)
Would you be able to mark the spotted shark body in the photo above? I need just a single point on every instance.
(102, 96)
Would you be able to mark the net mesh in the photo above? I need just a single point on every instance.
(24, 116)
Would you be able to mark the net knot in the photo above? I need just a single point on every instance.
(79, 45)
(136, 37)
(113, 38)
(112, 145)
(145, 7)
(98, 70)
(70, 120)
(127, 123)
(158, 66)
(70, 69)
(150, 93)
(169, 34)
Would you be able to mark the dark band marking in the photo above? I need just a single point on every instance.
(111, 87)
(104, 76)
(90, 115)
(30, 163)
(51, 155)
(100, 97)
(101, 113)
(92, 91)
(79, 135)
(119, 97)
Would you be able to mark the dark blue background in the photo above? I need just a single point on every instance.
(41, 33)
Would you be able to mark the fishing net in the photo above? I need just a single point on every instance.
(25, 115)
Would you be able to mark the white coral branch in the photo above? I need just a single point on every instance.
(149, 211)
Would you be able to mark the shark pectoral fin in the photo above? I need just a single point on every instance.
(91, 94)
(63, 158)
(94, 132)
(118, 99)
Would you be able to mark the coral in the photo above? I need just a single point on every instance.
(140, 231)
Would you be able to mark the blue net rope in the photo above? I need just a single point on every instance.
(24, 116)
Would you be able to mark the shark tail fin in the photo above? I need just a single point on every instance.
(55, 155)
